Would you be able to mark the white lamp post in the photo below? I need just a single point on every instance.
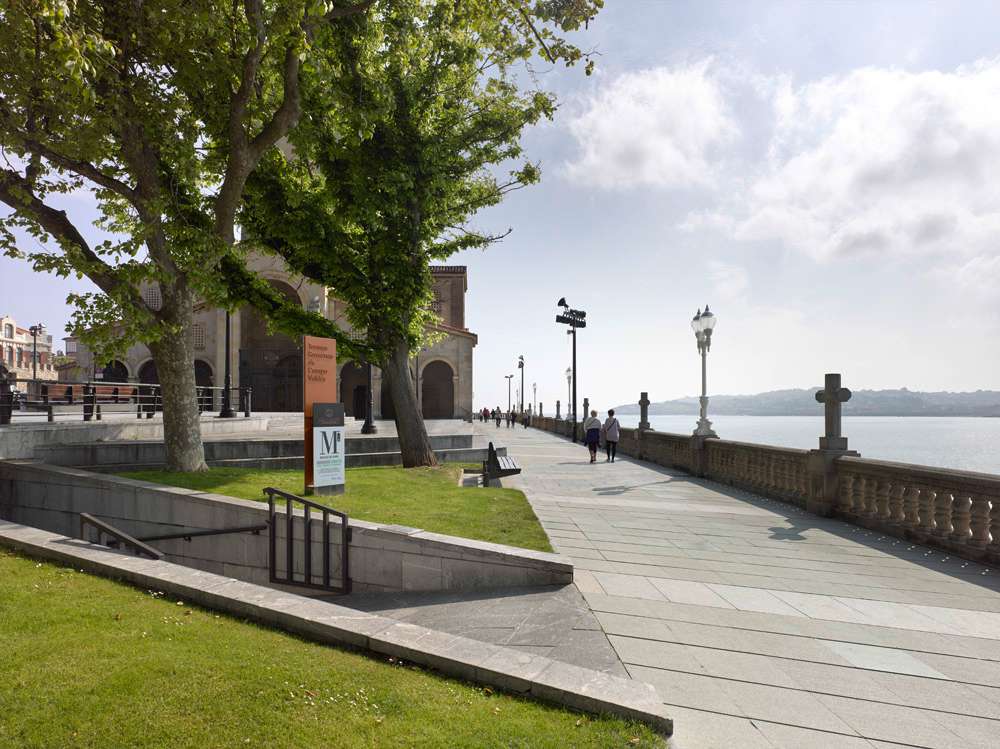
(702, 324)
(569, 388)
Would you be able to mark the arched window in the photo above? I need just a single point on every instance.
(8, 331)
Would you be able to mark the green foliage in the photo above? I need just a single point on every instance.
(418, 130)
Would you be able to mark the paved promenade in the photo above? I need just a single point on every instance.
(765, 626)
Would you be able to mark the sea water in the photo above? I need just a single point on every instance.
(967, 443)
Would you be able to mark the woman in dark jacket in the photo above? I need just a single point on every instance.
(592, 429)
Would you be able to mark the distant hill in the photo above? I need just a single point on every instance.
(901, 402)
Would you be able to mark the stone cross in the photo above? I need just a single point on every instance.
(557, 410)
(832, 396)
(644, 410)
(539, 408)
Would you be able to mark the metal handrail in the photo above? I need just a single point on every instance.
(109, 530)
(307, 576)
(188, 535)
(90, 395)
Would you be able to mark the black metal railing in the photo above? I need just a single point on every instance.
(115, 537)
(188, 535)
(93, 398)
(307, 578)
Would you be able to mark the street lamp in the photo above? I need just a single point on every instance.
(534, 397)
(569, 388)
(508, 378)
(575, 318)
(227, 412)
(520, 365)
(369, 426)
(35, 330)
(702, 324)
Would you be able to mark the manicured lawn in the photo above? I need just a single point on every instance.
(428, 498)
(87, 662)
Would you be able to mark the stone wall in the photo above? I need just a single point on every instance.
(958, 511)
(383, 558)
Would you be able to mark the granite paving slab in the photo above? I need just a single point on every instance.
(763, 625)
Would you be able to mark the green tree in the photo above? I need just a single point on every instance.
(398, 152)
(156, 112)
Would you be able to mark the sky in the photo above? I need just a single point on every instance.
(821, 173)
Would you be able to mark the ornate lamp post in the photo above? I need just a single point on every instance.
(508, 378)
(702, 324)
(575, 318)
(520, 365)
(569, 389)
(369, 426)
(534, 397)
(35, 330)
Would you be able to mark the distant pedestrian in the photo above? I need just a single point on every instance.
(592, 430)
(497, 414)
(612, 431)
(510, 419)
(526, 419)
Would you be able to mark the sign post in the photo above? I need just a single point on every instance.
(328, 449)
(319, 386)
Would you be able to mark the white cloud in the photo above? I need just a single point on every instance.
(729, 281)
(878, 162)
(656, 127)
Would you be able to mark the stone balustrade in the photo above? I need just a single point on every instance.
(954, 510)
(957, 510)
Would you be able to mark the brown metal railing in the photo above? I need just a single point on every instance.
(307, 578)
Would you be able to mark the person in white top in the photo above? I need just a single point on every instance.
(612, 431)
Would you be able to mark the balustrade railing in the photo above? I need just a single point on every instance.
(953, 508)
(774, 471)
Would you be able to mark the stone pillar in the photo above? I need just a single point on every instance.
(557, 410)
(643, 410)
(586, 409)
(540, 408)
(824, 484)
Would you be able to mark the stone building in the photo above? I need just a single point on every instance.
(272, 362)
(17, 348)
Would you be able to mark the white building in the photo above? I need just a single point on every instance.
(18, 347)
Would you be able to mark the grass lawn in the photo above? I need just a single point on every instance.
(88, 662)
(428, 498)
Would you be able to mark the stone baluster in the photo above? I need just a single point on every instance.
(911, 507)
(925, 507)
(897, 516)
(847, 480)
(882, 487)
(942, 513)
(858, 500)
(995, 524)
(961, 517)
(979, 524)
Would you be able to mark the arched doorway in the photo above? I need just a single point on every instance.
(438, 391)
(353, 389)
(270, 362)
(203, 379)
(388, 407)
(115, 371)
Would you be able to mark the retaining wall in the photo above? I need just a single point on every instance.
(386, 558)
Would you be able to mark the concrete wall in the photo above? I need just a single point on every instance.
(382, 557)
(21, 440)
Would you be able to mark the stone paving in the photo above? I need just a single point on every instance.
(762, 625)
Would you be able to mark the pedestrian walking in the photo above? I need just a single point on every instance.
(497, 414)
(592, 430)
(612, 431)
(526, 419)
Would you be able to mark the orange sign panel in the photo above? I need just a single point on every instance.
(319, 385)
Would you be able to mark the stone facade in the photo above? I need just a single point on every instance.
(16, 348)
(271, 362)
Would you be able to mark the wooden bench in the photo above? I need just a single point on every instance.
(496, 466)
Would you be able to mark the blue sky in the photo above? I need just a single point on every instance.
(821, 173)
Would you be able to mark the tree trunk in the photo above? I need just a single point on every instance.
(414, 444)
(174, 360)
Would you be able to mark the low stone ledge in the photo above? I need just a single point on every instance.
(461, 657)
(384, 557)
